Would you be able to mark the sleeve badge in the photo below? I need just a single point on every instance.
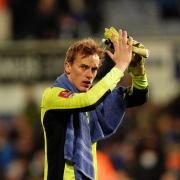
(65, 94)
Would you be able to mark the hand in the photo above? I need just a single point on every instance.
(136, 67)
(122, 50)
(137, 47)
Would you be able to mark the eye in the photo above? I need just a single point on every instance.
(94, 69)
(84, 67)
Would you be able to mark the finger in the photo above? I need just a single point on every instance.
(114, 41)
(130, 41)
(124, 37)
(120, 37)
(120, 33)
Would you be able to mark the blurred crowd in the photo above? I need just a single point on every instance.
(169, 9)
(146, 146)
(21, 142)
(52, 19)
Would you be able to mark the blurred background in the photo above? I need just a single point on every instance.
(34, 35)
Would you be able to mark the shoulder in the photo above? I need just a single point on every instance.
(53, 96)
(57, 92)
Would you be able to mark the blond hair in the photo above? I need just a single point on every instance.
(85, 47)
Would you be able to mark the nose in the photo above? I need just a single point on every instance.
(89, 74)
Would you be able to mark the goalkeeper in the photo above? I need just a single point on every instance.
(75, 114)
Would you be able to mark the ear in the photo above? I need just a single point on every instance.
(67, 67)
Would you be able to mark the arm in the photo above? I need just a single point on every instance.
(110, 113)
(138, 93)
(121, 56)
(81, 101)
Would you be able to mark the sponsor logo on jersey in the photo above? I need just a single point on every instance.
(65, 94)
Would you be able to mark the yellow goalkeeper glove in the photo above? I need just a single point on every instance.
(139, 52)
(137, 47)
(136, 67)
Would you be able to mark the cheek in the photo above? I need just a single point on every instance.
(75, 71)
(94, 74)
(78, 75)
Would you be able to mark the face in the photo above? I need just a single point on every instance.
(82, 71)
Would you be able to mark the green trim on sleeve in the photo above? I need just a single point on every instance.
(140, 82)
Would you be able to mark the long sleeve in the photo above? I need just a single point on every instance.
(138, 93)
(109, 114)
(52, 98)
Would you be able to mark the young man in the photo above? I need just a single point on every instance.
(76, 114)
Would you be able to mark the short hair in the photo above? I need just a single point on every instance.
(85, 47)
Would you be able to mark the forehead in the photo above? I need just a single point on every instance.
(89, 59)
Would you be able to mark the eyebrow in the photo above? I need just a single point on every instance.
(85, 65)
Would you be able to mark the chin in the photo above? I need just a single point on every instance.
(83, 89)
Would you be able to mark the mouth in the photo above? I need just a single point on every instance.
(86, 84)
